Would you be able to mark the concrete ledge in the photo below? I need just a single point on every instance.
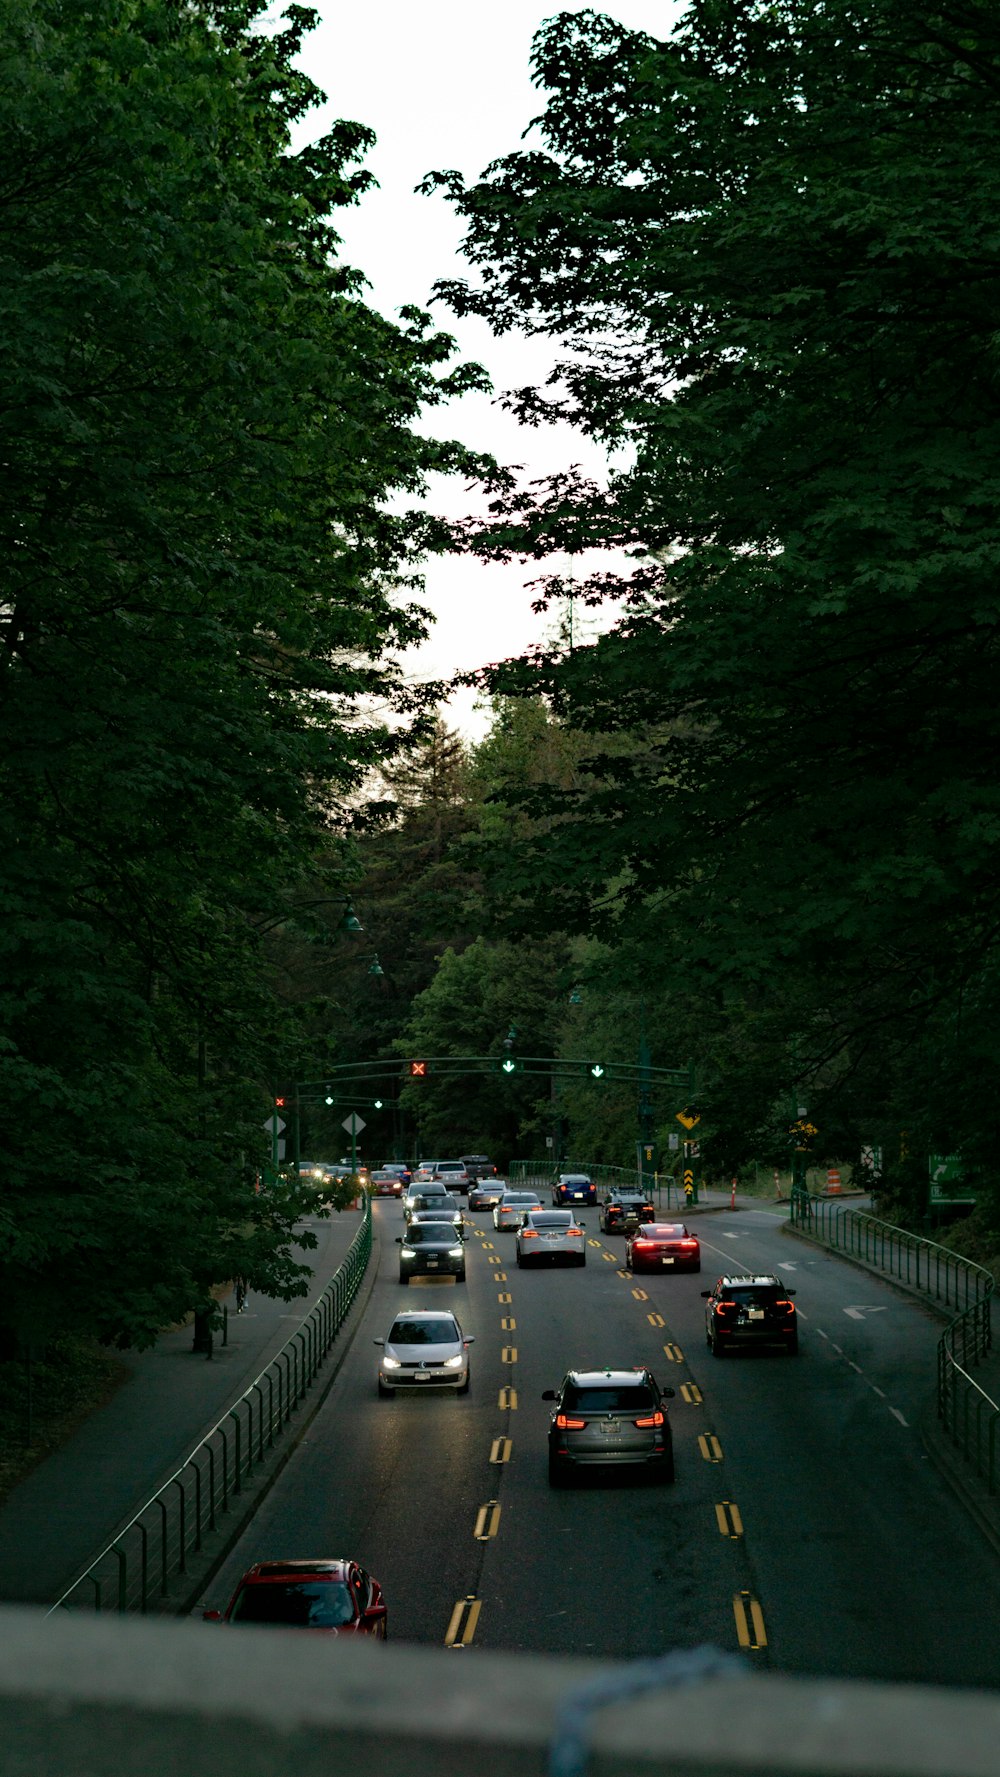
(128, 1698)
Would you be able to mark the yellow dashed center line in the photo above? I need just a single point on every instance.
(749, 1621)
(505, 1296)
(507, 1401)
(509, 1325)
(690, 1392)
(501, 1449)
(655, 1320)
(710, 1447)
(640, 1295)
(676, 1356)
(728, 1518)
(487, 1521)
(509, 1354)
(467, 1609)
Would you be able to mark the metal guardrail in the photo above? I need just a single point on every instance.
(544, 1172)
(966, 1411)
(133, 1573)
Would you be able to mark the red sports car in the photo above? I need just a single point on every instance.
(333, 1597)
(662, 1246)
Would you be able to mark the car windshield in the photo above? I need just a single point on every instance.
(626, 1397)
(308, 1604)
(432, 1331)
(429, 1233)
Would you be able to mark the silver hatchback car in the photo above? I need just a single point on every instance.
(424, 1348)
(551, 1236)
(609, 1418)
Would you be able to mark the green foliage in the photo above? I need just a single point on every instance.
(209, 449)
(766, 248)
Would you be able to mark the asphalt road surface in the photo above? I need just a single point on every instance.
(806, 1524)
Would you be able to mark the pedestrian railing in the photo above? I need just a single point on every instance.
(966, 1411)
(136, 1570)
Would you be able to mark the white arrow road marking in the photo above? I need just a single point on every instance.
(730, 1236)
(859, 1313)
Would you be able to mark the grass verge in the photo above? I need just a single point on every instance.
(75, 1377)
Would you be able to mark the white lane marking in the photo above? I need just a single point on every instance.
(836, 1347)
(898, 1415)
(823, 1335)
(859, 1313)
(854, 1366)
(878, 1391)
(726, 1236)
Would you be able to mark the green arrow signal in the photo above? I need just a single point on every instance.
(508, 1066)
(597, 1072)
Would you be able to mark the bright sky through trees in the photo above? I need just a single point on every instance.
(447, 84)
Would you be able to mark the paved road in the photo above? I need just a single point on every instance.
(845, 1555)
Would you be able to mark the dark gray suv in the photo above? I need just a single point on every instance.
(609, 1419)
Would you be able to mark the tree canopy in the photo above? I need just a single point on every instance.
(766, 248)
(211, 537)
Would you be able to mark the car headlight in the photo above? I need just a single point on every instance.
(391, 1363)
(453, 1363)
(454, 1252)
(409, 1252)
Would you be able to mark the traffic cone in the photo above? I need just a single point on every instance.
(833, 1182)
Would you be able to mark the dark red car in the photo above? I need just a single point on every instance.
(332, 1597)
(662, 1246)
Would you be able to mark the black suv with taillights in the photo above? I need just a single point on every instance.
(620, 1207)
(745, 1310)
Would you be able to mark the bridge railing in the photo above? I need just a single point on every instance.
(948, 1281)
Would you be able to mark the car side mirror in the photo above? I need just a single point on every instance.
(399, 1240)
(581, 1224)
(550, 1395)
(789, 1292)
(667, 1394)
(376, 1613)
(378, 1341)
(471, 1340)
(211, 1616)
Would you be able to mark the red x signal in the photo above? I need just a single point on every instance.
(418, 1070)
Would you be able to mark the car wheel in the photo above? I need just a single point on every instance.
(383, 1391)
(460, 1275)
(718, 1349)
(520, 1262)
(793, 1346)
(404, 1277)
(558, 1472)
(665, 1472)
(581, 1261)
(463, 1387)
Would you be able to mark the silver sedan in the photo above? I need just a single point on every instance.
(512, 1207)
(551, 1236)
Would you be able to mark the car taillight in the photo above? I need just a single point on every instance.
(643, 1246)
(720, 1306)
(528, 1233)
(654, 1419)
(689, 1245)
(575, 1233)
(781, 1303)
(563, 1423)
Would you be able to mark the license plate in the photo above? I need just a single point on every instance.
(423, 1375)
(611, 1427)
(432, 1264)
(666, 1260)
(756, 1314)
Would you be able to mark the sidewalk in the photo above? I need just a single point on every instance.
(65, 1511)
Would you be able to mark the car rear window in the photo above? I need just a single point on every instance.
(663, 1231)
(432, 1331)
(309, 1604)
(553, 1220)
(519, 1197)
(628, 1397)
(757, 1295)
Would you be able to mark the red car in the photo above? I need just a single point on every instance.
(387, 1184)
(332, 1597)
(662, 1246)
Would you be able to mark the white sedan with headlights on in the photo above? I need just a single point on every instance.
(551, 1237)
(513, 1207)
(424, 1348)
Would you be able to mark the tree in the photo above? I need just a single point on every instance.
(209, 445)
(766, 250)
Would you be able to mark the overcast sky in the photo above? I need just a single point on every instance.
(446, 84)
